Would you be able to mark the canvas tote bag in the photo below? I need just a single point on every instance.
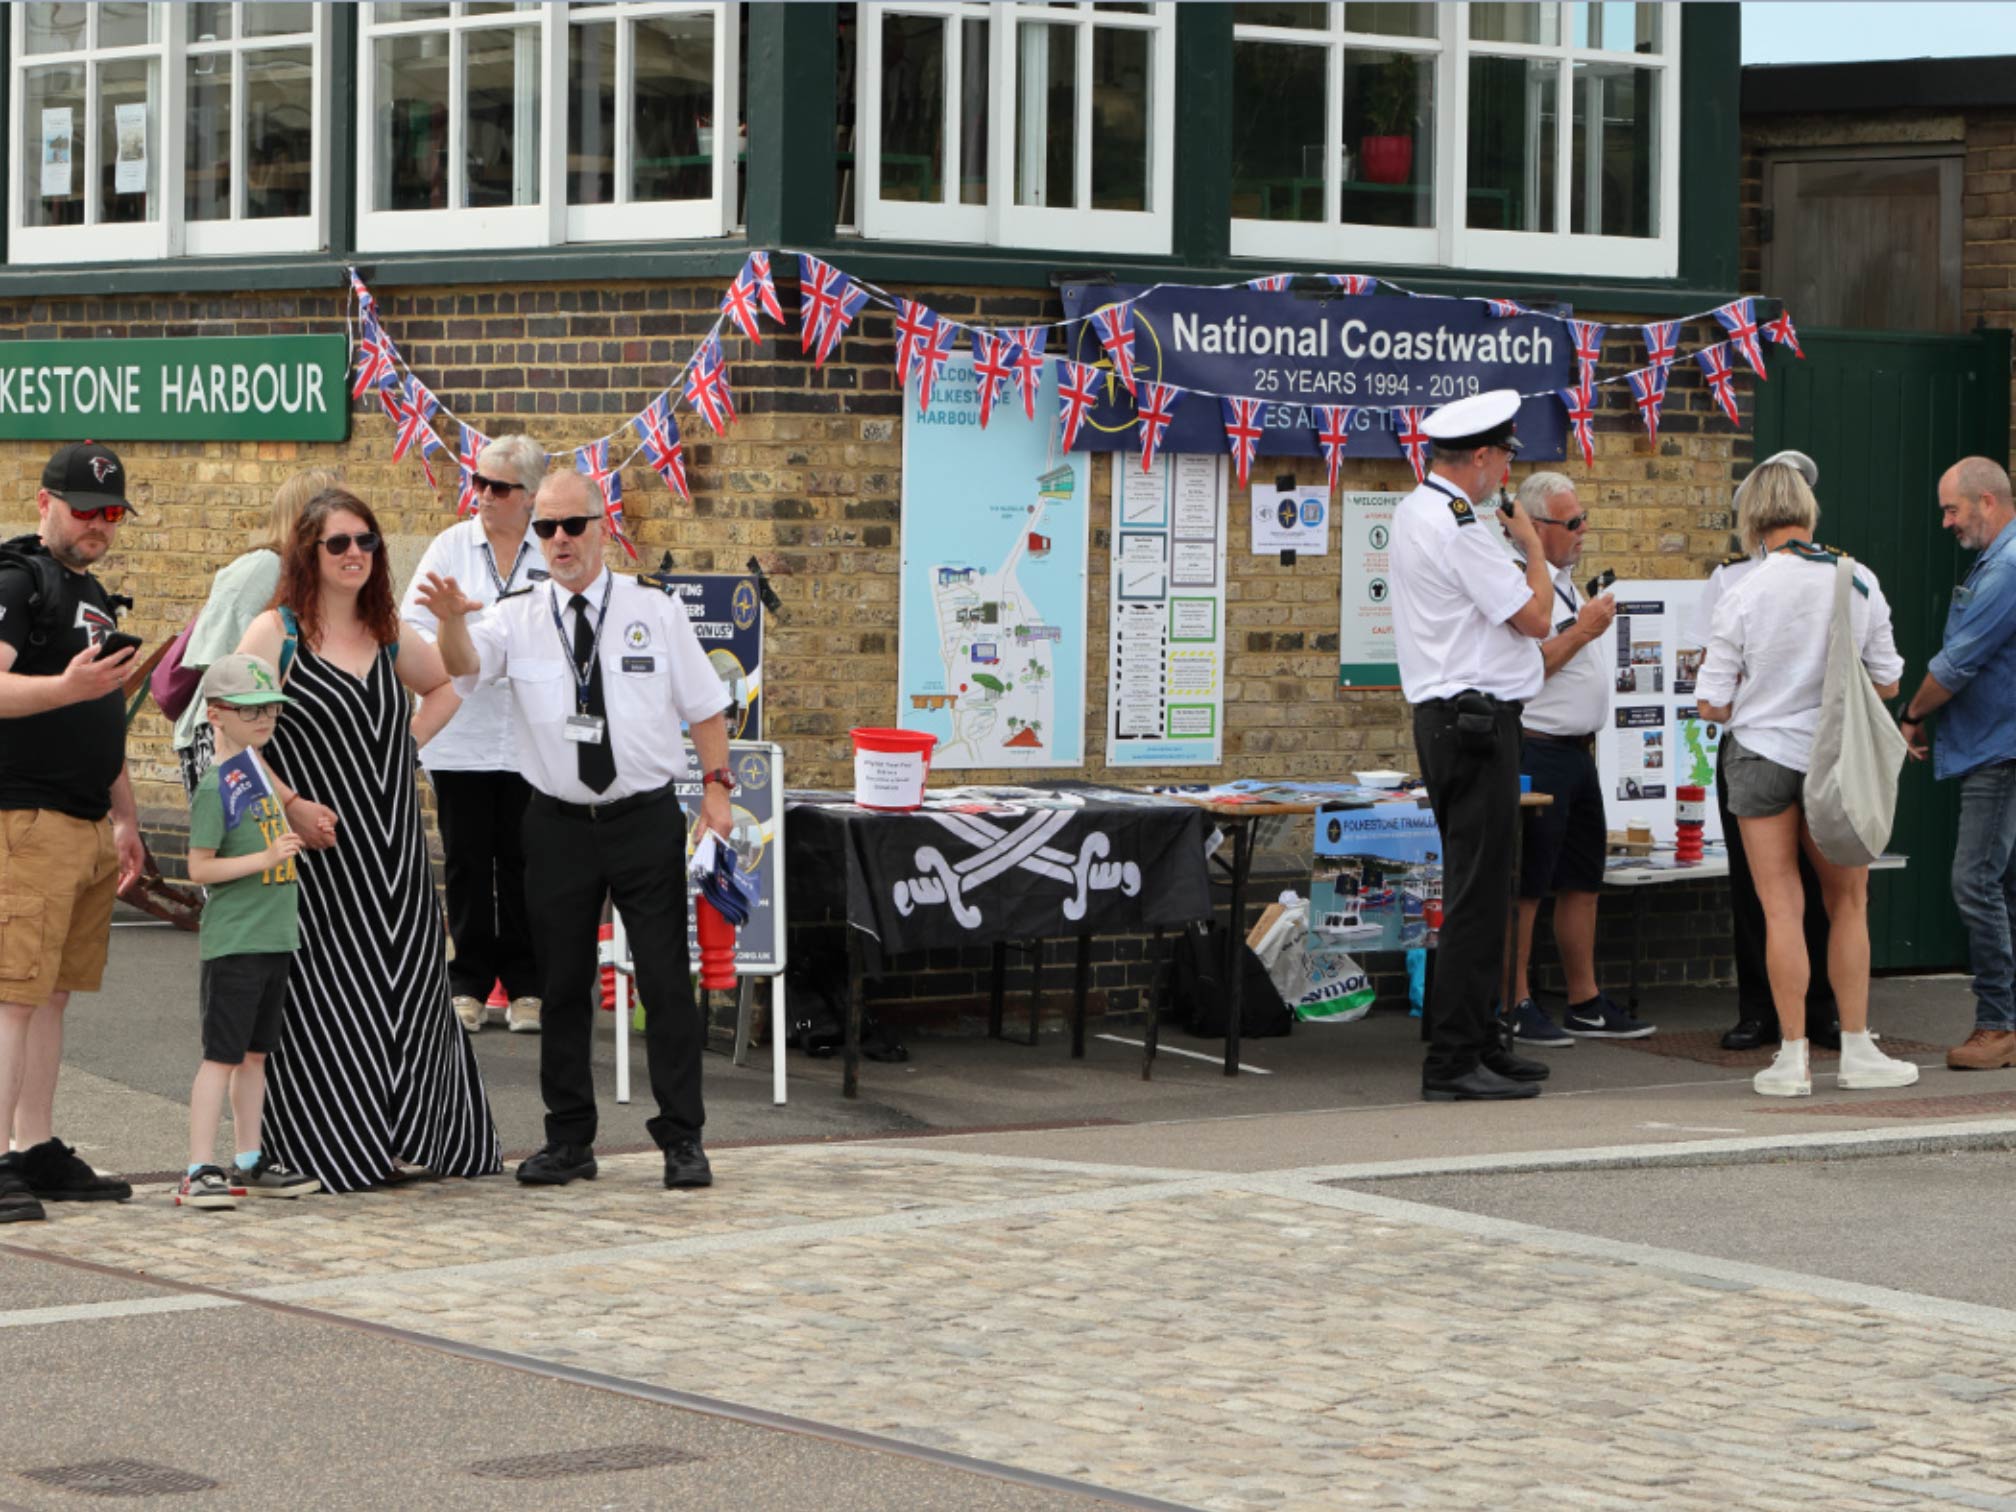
(1851, 785)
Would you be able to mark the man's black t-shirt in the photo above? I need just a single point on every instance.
(64, 759)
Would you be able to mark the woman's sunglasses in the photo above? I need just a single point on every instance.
(573, 525)
(365, 541)
(113, 513)
(480, 484)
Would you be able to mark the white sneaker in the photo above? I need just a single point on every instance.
(522, 1017)
(470, 1011)
(1787, 1075)
(1864, 1066)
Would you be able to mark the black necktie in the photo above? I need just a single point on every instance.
(597, 759)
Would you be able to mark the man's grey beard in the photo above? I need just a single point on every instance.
(67, 553)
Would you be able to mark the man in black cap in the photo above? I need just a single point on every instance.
(69, 832)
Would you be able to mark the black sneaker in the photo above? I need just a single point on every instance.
(269, 1178)
(55, 1174)
(1532, 1026)
(1599, 1018)
(557, 1164)
(17, 1203)
(208, 1187)
(686, 1165)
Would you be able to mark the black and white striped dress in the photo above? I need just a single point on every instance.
(372, 1065)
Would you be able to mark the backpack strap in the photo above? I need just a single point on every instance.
(293, 628)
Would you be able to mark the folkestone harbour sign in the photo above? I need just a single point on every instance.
(205, 388)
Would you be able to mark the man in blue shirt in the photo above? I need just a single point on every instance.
(1969, 683)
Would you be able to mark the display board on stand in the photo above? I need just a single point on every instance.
(1366, 657)
(725, 610)
(1656, 740)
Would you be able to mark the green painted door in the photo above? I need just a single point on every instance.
(1884, 414)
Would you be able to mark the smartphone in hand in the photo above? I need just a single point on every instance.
(116, 642)
(1601, 581)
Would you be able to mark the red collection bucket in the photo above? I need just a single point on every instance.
(890, 767)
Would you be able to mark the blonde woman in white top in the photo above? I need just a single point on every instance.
(1762, 679)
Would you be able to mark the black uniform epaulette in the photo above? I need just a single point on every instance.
(1733, 558)
(515, 593)
(1465, 515)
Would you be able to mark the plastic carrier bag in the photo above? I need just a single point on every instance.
(1319, 986)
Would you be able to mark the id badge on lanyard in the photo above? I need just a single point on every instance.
(581, 727)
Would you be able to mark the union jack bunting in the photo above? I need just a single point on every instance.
(1662, 342)
(1505, 309)
(1739, 319)
(914, 323)
(1588, 347)
(375, 355)
(1648, 392)
(1029, 364)
(1414, 440)
(1781, 331)
(757, 271)
(993, 366)
(662, 447)
(391, 396)
(1353, 283)
(365, 303)
(1273, 283)
(1242, 433)
(820, 287)
(852, 298)
(707, 386)
(1714, 362)
(931, 357)
(414, 416)
(1580, 402)
(1115, 325)
(1157, 409)
(1077, 392)
(592, 462)
(1334, 434)
(473, 442)
(739, 305)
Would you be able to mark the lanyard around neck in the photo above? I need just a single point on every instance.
(503, 584)
(584, 672)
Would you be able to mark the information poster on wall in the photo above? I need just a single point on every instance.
(1365, 654)
(1656, 740)
(991, 645)
(1165, 697)
(1291, 519)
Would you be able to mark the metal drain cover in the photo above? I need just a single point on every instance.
(566, 1462)
(122, 1477)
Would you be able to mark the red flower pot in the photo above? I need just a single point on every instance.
(1386, 159)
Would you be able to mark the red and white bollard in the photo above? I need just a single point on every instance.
(1690, 814)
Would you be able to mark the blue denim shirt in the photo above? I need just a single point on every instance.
(1977, 664)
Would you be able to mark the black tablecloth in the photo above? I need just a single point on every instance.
(934, 878)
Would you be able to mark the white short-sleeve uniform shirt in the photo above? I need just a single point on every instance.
(1453, 590)
(479, 738)
(1575, 701)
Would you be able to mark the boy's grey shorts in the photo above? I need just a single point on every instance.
(1758, 786)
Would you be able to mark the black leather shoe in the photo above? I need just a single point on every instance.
(558, 1164)
(1516, 1068)
(1749, 1033)
(17, 1203)
(54, 1173)
(686, 1166)
(1825, 1036)
(1479, 1084)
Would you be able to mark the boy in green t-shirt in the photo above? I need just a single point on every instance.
(241, 849)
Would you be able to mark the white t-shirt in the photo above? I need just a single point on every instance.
(1576, 699)
(1453, 590)
(479, 737)
(1726, 576)
(1770, 632)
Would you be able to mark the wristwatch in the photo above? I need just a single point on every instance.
(723, 776)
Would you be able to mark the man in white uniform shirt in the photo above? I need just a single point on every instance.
(472, 762)
(601, 669)
(1467, 621)
(1567, 841)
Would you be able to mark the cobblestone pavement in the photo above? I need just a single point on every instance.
(1251, 1342)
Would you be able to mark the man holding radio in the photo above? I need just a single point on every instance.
(69, 832)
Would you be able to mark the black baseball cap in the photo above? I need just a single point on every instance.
(87, 475)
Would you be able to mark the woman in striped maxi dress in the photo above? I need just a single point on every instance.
(373, 1072)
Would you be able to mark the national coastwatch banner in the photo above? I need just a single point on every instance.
(199, 388)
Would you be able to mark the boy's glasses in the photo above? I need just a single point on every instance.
(256, 713)
(573, 525)
(336, 545)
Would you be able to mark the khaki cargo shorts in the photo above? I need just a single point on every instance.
(58, 877)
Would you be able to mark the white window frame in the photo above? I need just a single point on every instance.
(549, 220)
(1450, 242)
(293, 233)
(1002, 222)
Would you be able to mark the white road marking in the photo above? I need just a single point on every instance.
(94, 1312)
(1161, 1049)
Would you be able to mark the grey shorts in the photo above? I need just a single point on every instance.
(1758, 786)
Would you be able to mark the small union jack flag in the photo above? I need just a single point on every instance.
(1242, 433)
(1588, 347)
(1648, 392)
(1781, 331)
(1505, 309)
(1739, 319)
(375, 356)
(852, 298)
(931, 357)
(1029, 363)
(1273, 283)
(1414, 440)
(365, 303)
(1157, 409)
(592, 462)
(1662, 342)
(1115, 325)
(1334, 434)
(757, 271)
(662, 447)
(913, 328)
(1353, 283)
(740, 304)
(820, 287)
(473, 442)
(1714, 362)
(707, 386)
(1580, 402)
(413, 412)
(1077, 392)
(993, 366)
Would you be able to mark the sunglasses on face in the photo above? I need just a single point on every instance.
(1573, 525)
(573, 525)
(337, 545)
(497, 486)
(113, 513)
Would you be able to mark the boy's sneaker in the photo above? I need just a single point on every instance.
(54, 1173)
(208, 1187)
(269, 1178)
(1599, 1018)
(1532, 1026)
(17, 1203)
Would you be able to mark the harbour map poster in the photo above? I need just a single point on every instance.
(991, 639)
(1656, 740)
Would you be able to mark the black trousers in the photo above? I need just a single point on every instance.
(1753, 980)
(638, 860)
(483, 843)
(1475, 796)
